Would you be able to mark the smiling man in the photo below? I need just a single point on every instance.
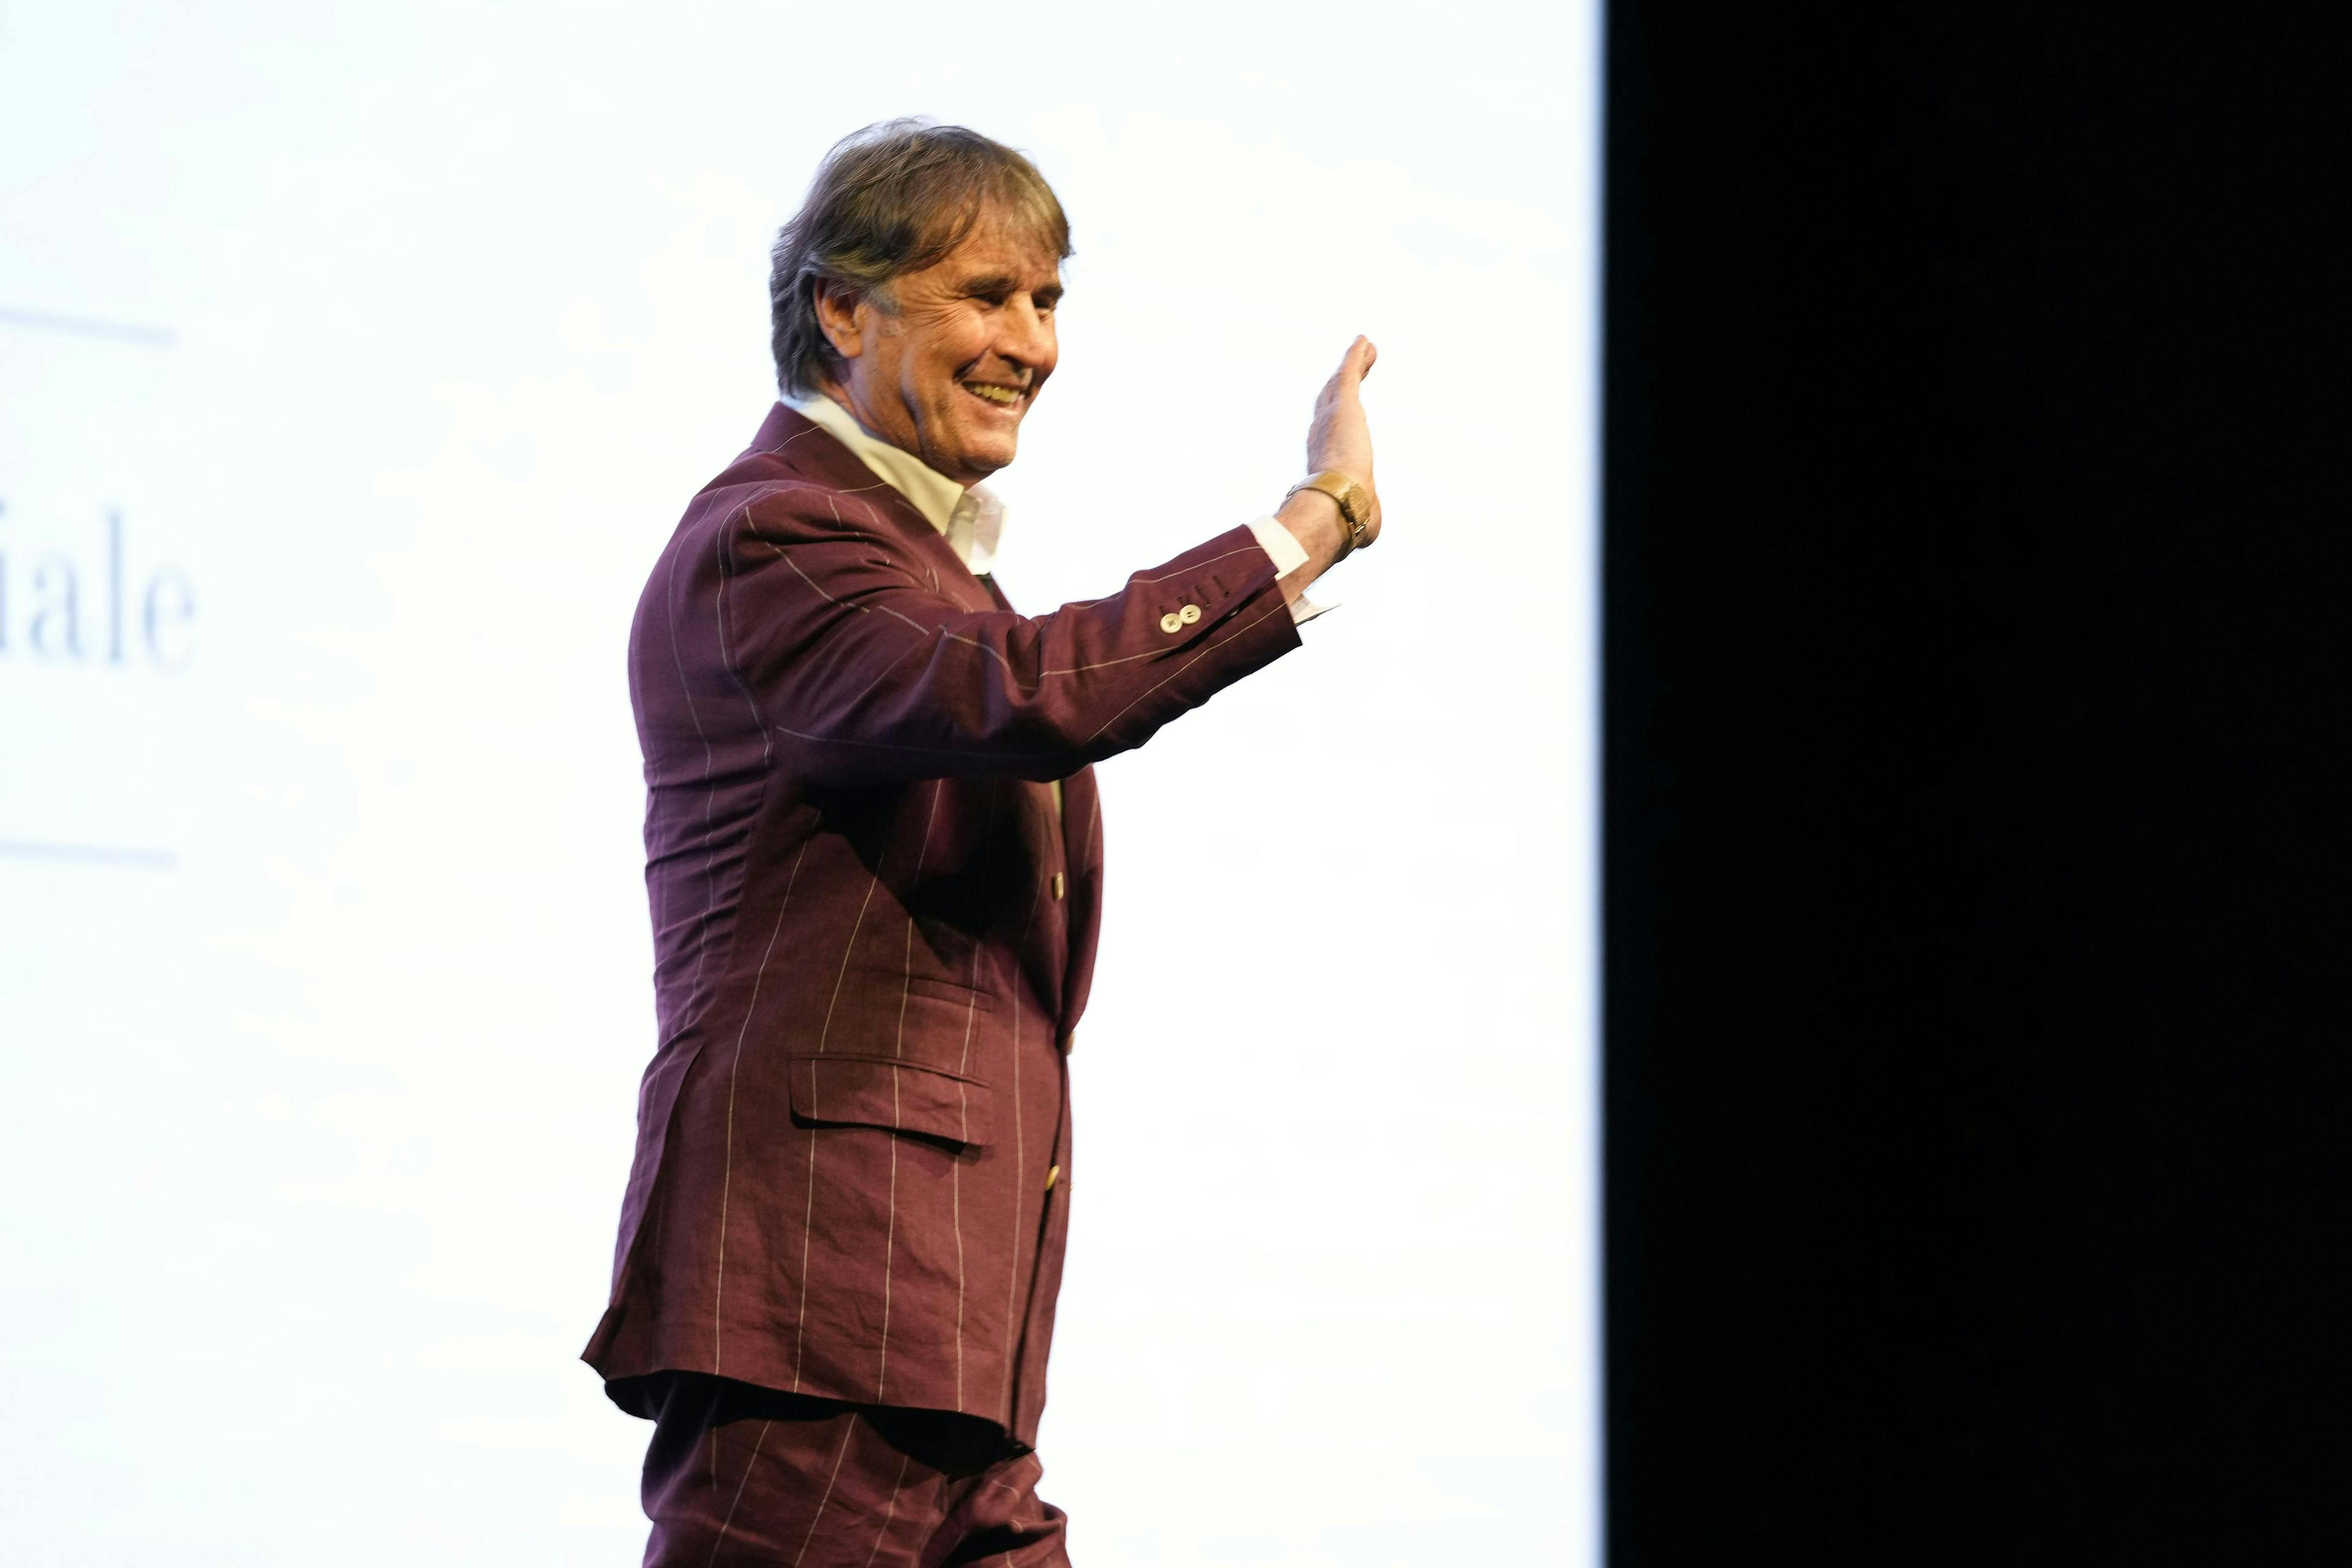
(874, 857)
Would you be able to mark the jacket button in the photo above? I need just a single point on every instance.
(1052, 1175)
(1189, 614)
(1171, 622)
(1058, 885)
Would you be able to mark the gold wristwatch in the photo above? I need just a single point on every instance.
(1355, 507)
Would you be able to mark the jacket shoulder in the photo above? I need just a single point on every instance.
(768, 493)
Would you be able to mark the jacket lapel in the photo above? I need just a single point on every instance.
(812, 453)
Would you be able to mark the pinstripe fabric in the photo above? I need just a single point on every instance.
(737, 1475)
(864, 977)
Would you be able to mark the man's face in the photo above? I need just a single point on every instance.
(950, 372)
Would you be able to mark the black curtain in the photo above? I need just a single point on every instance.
(1977, 971)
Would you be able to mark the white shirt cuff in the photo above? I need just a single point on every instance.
(1288, 556)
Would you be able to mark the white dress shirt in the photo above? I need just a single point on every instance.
(972, 521)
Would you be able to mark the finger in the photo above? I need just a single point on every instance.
(1351, 363)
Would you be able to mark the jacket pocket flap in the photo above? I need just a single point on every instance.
(838, 1090)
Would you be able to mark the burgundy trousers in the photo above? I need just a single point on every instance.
(739, 1475)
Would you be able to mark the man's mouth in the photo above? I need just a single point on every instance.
(998, 396)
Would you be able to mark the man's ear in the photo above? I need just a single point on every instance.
(841, 313)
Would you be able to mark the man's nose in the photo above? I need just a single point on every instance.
(1027, 339)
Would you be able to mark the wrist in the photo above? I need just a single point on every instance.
(1313, 519)
(1359, 514)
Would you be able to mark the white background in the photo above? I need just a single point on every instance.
(315, 1106)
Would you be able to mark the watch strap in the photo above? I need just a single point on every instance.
(1355, 508)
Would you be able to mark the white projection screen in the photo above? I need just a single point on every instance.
(354, 362)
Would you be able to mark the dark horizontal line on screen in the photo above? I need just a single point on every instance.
(89, 854)
(89, 327)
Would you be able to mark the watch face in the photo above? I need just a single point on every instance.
(1351, 506)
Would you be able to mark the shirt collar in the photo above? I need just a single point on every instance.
(970, 520)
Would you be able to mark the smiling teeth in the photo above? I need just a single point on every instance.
(993, 393)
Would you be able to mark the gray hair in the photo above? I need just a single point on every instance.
(890, 199)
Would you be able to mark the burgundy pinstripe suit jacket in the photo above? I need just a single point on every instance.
(874, 930)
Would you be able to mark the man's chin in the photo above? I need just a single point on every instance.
(978, 459)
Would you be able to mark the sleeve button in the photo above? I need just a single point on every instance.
(1171, 622)
(1189, 614)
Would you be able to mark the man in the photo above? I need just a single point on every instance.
(874, 857)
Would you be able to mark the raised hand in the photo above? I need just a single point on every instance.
(1338, 437)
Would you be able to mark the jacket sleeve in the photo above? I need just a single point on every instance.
(867, 674)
